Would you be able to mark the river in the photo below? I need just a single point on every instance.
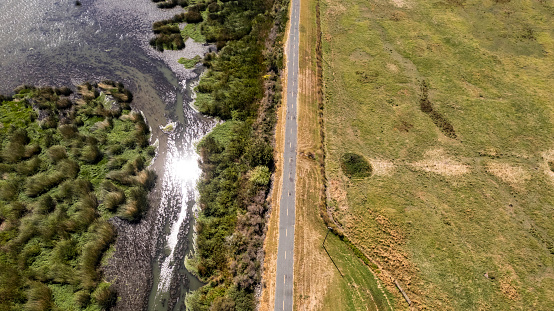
(57, 43)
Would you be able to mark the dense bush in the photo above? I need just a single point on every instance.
(355, 166)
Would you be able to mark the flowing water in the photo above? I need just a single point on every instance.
(55, 42)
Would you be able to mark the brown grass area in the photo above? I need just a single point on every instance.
(514, 175)
(438, 162)
(382, 167)
(313, 270)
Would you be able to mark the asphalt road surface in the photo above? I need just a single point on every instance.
(284, 278)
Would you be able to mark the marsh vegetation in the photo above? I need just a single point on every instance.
(68, 163)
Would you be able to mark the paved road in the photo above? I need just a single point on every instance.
(284, 278)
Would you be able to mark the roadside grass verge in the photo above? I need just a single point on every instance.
(318, 284)
(356, 289)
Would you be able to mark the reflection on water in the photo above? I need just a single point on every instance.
(54, 42)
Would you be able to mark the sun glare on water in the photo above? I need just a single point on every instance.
(186, 169)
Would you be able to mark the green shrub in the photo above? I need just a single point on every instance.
(260, 175)
(355, 166)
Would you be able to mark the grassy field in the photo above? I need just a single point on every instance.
(451, 103)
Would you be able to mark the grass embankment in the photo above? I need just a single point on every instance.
(451, 104)
(67, 164)
(318, 284)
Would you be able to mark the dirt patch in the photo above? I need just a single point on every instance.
(335, 8)
(509, 290)
(382, 167)
(401, 3)
(438, 162)
(548, 163)
(514, 175)
(392, 68)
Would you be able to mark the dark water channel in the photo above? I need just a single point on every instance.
(55, 42)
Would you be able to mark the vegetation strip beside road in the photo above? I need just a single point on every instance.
(242, 87)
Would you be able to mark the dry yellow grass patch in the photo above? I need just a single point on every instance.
(514, 175)
(102, 124)
(392, 68)
(438, 162)
(338, 194)
(382, 167)
(335, 8)
(548, 156)
(401, 3)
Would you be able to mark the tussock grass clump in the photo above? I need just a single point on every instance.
(44, 205)
(43, 182)
(91, 154)
(113, 200)
(56, 153)
(104, 296)
(39, 297)
(63, 103)
(29, 167)
(136, 204)
(9, 189)
(103, 236)
(68, 131)
(13, 152)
